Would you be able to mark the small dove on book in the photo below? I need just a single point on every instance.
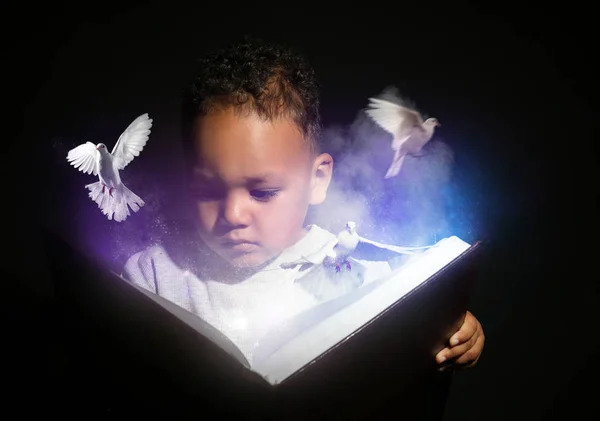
(347, 245)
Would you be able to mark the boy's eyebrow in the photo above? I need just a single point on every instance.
(258, 178)
(265, 176)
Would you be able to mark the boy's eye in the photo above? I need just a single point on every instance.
(264, 195)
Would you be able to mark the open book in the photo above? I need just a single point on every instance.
(425, 298)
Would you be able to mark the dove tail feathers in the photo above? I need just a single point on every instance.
(115, 204)
(394, 169)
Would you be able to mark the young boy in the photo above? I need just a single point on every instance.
(255, 165)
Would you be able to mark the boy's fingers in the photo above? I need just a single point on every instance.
(471, 357)
(456, 351)
(466, 331)
(441, 356)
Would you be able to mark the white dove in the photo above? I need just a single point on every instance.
(112, 196)
(349, 243)
(410, 132)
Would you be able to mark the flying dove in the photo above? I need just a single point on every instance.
(405, 124)
(347, 245)
(110, 194)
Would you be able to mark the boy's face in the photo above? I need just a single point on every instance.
(252, 184)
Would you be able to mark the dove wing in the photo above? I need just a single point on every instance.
(320, 255)
(372, 250)
(132, 141)
(395, 119)
(83, 157)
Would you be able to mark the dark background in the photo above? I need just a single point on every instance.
(510, 85)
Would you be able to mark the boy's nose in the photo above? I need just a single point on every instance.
(234, 210)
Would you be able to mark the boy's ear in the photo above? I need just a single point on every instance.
(321, 177)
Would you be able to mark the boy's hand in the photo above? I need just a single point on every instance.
(465, 347)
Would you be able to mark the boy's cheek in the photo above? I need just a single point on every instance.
(206, 216)
(284, 226)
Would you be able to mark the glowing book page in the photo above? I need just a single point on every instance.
(340, 318)
(290, 328)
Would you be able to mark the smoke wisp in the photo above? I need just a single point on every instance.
(409, 209)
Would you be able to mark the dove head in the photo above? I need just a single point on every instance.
(351, 226)
(101, 147)
(432, 122)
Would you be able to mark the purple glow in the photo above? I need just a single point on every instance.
(420, 206)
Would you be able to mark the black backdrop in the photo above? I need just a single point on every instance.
(509, 85)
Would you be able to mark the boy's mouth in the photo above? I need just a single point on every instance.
(239, 245)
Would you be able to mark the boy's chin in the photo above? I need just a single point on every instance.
(248, 260)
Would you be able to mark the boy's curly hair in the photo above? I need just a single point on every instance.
(253, 76)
